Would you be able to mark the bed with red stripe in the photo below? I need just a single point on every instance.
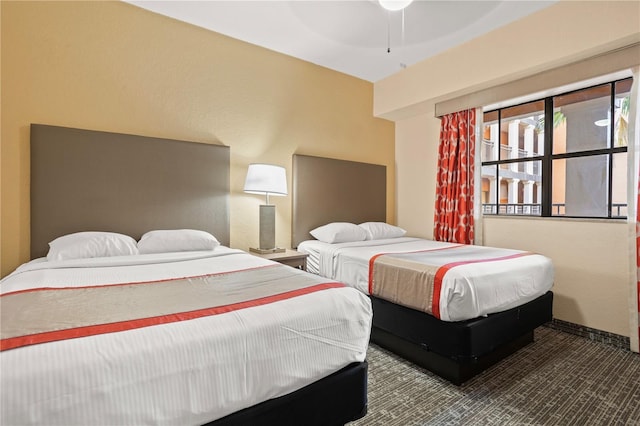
(169, 338)
(415, 279)
(71, 312)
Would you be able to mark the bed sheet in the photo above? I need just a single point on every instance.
(468, 291)
(186, 372)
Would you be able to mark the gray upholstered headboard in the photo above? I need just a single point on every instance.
(84, 180)
(329, 190)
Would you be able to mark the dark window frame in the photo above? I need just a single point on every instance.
(548, 157)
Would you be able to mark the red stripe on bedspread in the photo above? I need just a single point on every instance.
(72, 333)
(36, 289)
(15, 342)
(437, 283)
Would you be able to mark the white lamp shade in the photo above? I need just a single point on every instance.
(394, 4)
(266, 179)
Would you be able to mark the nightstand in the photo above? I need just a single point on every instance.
(292, 258)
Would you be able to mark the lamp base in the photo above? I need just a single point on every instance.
(267, 251)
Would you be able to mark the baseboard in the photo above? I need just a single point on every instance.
(605, 337)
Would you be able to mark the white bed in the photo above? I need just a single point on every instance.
(468, 291)
(184, 372)
(349, 203)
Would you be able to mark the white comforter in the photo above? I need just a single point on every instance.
(468, 291)
(187, 372)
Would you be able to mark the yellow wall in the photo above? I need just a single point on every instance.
(591, 258)
(114, 67)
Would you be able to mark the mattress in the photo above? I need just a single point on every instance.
(468, 290)
(189, 371)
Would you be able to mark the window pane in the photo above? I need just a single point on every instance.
(621, 136)
(619, 186)
(490, 137)
(489, 191)
(581, 120)
(520, 189)
(580, 187)
(521, 131)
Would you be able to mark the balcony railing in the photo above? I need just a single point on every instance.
(488, 154)
(618, 210)
(513, 209)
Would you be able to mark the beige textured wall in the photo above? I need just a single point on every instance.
(114, 67)
(591, 265)
(591, 258)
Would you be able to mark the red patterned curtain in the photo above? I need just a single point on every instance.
(453, 221)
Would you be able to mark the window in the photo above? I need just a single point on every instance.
(564, 155)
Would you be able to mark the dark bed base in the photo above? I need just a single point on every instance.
(331, 401)
(457, 351)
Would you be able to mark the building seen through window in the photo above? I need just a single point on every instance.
(565, 155)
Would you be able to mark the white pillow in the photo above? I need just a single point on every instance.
(171, 240)
(339, 232)
(81, 245)
(381, 230)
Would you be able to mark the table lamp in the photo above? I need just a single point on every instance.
(266, 179)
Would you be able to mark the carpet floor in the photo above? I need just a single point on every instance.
(559, 379)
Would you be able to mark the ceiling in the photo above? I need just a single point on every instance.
(355, 37)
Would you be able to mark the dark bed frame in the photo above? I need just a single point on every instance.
(84, 180)
(328, 190)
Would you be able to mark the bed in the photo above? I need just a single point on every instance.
(456, 342)
(184, 331)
